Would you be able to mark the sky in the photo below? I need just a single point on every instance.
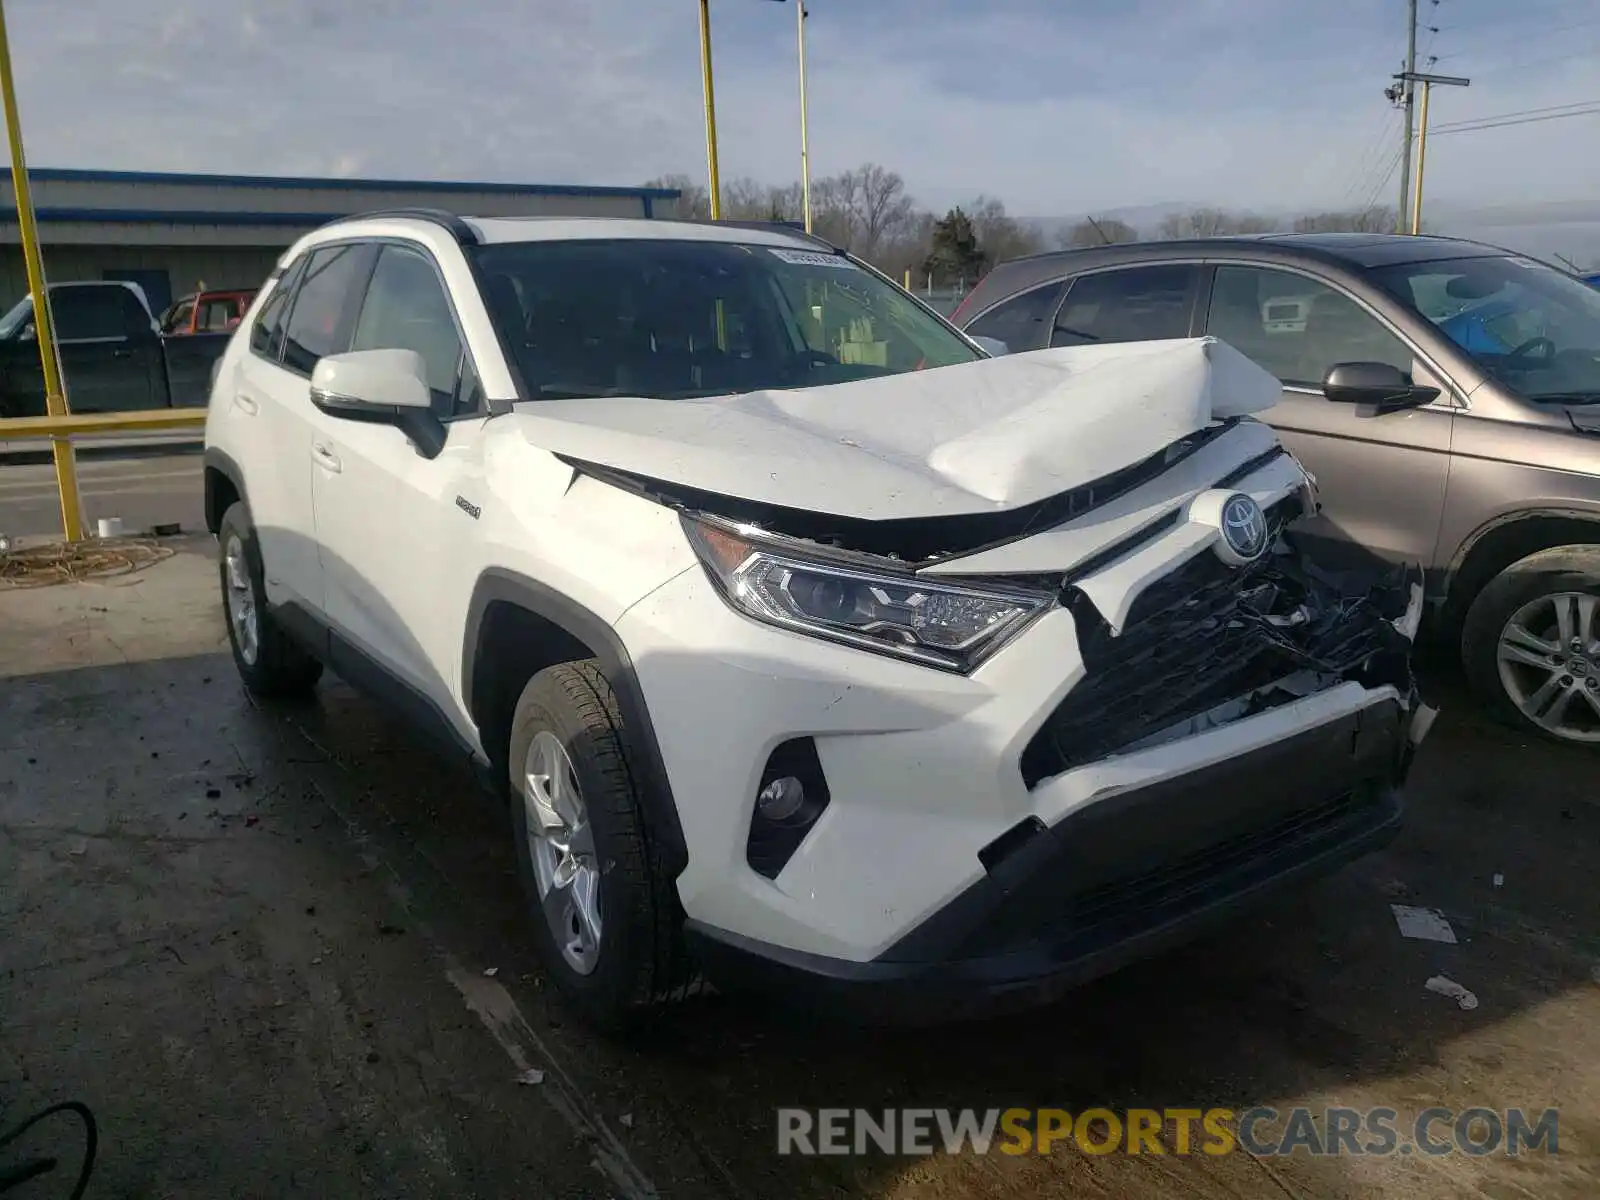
(1056, 106)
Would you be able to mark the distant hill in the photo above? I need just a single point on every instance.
(1546, 229)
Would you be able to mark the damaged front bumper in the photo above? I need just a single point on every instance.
(1146, 860)
(1084, 796)
(1129, 874)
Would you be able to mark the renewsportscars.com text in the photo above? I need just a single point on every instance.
(1262, 1132)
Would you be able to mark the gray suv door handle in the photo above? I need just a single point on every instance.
(326, 459)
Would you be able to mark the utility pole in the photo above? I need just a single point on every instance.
(1427, 82)
(711, 111)
(805, 134)
(1410, 95)
(55, 400)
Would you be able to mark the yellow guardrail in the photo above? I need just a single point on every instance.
(143, 421)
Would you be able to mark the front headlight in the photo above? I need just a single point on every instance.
(953, 626)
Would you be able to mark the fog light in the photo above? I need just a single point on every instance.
(781, 799)
(791, 796)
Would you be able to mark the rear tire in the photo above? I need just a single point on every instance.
(627, 954)
(269, 663)
(1531, 645)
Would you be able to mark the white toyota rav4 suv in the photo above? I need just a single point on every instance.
(811, 647)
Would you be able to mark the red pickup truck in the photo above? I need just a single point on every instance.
(206, 312)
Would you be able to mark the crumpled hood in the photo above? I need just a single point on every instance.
(980, 437)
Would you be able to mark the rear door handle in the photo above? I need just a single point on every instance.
(247, 404)
(122, 354)
(326, 459)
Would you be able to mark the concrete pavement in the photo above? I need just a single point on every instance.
(282, 951)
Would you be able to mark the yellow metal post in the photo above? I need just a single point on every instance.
(1422, 157)
(55, 397)
(711, 110)
(805, 134)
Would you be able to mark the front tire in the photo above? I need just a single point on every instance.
(606, 917)
(270, 665)
(1531, 645)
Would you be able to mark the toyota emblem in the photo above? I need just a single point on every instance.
(1244, 528)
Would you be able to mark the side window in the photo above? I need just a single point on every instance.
(96, 313)
(1296, 327)
(266, 335)
(406, 309)
(319, 321)
(1133, 305)
(1022, 322)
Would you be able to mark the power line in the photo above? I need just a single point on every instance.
(1383, 181)
(1546, 32)
(1370, 159)
(1522, 112)
(1520, 64)
(1514, 19)
(1473, 128)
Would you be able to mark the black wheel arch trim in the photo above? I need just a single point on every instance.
(222, 463)
(497, 585)
(1452, 573)
(1587, 516)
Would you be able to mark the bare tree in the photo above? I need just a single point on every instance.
(1214, 222)
(1002, 236)
(1377, 219)
(1097, 231)
(694, 202)
(907, 248)
(874, 202)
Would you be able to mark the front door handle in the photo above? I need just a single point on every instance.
(122, 354)
(248, 405)
(326, 459)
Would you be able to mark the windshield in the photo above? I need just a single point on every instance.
(675, 319)
(19, 313)
(1533, 328)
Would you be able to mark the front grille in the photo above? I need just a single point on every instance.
(1184, 650)
(1142, 899)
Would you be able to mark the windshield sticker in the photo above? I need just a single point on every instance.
(813, 258)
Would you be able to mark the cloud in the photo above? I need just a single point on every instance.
(1250, 103)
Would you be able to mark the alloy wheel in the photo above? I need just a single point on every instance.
(241, 598)
(1549, 661)
(561, 847)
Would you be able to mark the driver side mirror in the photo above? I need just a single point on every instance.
(993, 347)
(1382, 386)
(384, 387)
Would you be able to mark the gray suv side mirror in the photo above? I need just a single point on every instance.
(1380, 385)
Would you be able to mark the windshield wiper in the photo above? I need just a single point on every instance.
(1567, 397)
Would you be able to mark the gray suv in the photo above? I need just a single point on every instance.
(1445, 394)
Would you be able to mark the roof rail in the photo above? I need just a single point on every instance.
(463, 233)
(797, 230)
(764, 226)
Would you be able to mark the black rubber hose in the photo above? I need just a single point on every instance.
(11, 1177)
